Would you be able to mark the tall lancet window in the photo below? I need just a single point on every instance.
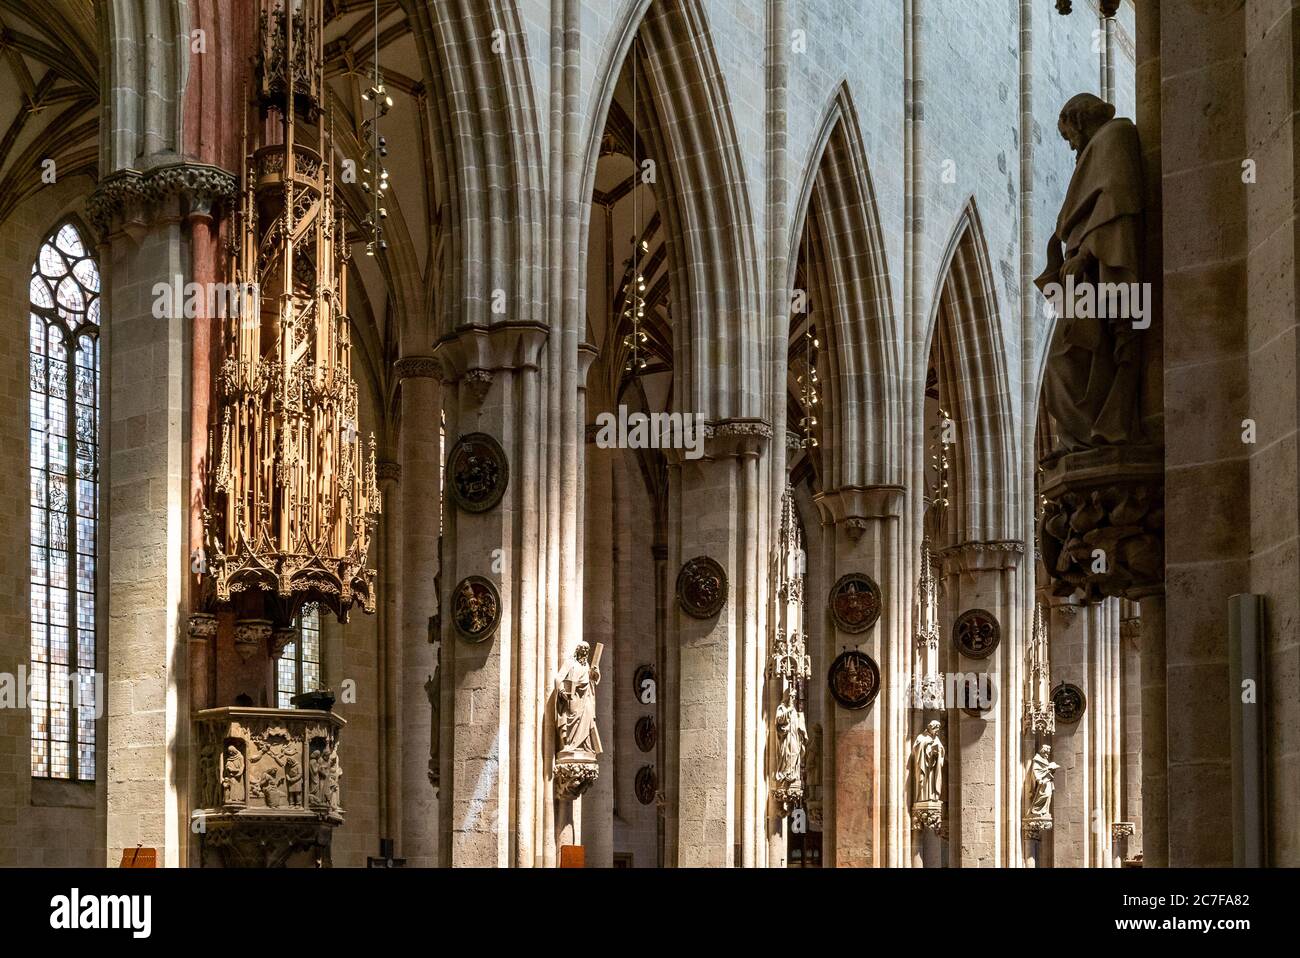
(298, 668)
(64, 413)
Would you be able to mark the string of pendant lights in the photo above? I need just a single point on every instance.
(808, 388)
(376, 183)
(634, 290)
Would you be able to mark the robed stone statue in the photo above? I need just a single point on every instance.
(928, 757)
(1039, 785)
(1090, 385)
(575, 703)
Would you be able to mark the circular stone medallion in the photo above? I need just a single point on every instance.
(855, 602)
(475, 608)
(645, 733)
(702, 588)
(646, 784)
(1069, 702)
(976, 634)
(477, 472)
(854, 679)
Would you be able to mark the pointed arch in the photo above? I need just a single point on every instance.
(965, 336)
(489, 167)
(703, 195)
(838, 239)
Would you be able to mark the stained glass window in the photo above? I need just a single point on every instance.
(64, 422)
(298, 668)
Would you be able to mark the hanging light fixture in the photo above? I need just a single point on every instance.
(376, 185)
(809, 388)
(634, 289)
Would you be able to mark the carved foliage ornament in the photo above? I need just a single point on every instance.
(854, 679)
(855, 603)
(976, 633)
(475, 608)
(702, 588)
(477, 472)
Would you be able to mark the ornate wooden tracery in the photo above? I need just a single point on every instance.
(292, 492)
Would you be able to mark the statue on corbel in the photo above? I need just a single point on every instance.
(1101, 531)
(577, 740)
(1039, 786)
(927, 763)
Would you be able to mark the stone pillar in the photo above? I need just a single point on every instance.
(712, 497)
(389, 659)
(600, 595)
(494, 693)
(420, 519)
(1207, 375)
(1068, 625)
(148, 715)
(985, 748)
(862, 533)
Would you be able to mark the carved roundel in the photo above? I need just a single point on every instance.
(976, 634)
(477, 472)
(475, 608)
(855, 602)
(702, 588)
(854, 679)
(1069, 702)
(646, 784)
(646, 733)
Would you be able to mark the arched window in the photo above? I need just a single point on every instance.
(64, 414)
(298, 668)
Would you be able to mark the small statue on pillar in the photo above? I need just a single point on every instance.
(928, 759)
(792, 734)
(577, 739)
(1039, 785)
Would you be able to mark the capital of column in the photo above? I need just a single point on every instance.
(417, 367)
(388, 471)
(132, 197)
(472, 350)
(857, 506)
(990, 556)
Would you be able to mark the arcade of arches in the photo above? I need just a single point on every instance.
(641, 433)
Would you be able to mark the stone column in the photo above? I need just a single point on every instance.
(863, 531)
(1069, 627)
(494, 779)
(389, 658)
(420, 520)
(145, 477)
(600, 595)
(712, 497)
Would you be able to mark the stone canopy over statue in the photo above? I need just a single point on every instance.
(1093, 280)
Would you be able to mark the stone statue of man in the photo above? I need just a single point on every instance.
(1042, 771)
(928, 756)
(575, 703)
(1090, 385)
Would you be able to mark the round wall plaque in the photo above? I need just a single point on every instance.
(976, 633)
(477, 472)
(855, 602)
(646, 784)
(702, 588)
(475, 608)
(645, 733)
(1069, 702)
(854, 679)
